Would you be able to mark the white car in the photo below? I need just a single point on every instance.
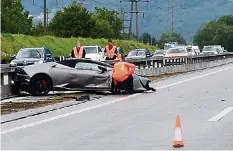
(94, 53)
(176, 52)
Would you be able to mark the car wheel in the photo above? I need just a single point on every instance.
(40, 85)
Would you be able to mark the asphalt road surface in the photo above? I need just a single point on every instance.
(140, 121)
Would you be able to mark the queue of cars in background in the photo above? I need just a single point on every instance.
(94, 53)
(212, 49)
(138, 54)
(28, 56)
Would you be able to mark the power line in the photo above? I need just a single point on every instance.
(170, 20)
(123, 19)
(137, 12)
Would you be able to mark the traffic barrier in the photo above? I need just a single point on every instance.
(6, 81)
(146, 67)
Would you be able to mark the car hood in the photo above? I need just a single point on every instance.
(134, 57)
(159, 55)
(40, 68)
(92, 56)
(21, 60)
(176, 55)
(208, 52)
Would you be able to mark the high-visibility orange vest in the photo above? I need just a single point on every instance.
(110, 52)
(122, 70)
(77, 54)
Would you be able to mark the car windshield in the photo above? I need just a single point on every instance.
(208, 49)
(159, 52)
(90, 50)
(189, 49)
(137, 53)
(176, 50)
(30, 53)
(86, 66)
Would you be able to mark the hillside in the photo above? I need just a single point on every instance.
(59, 46)
(189, 15)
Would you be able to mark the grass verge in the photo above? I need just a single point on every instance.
(11, 43)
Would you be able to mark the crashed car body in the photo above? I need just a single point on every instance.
(70, 75)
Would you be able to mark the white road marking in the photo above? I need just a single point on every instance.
(183, 81)
(221, 114)
(101, 105)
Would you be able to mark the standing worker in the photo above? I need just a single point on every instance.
(123, 75)
(78, 51)
(110, 51)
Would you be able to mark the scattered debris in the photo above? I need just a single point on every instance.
(9, 107)
(222, 100)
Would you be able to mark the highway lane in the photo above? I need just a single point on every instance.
(144, 121)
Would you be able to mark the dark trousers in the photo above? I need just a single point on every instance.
(111, 58)
(126, 85)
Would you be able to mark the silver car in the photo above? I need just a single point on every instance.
(71, 75)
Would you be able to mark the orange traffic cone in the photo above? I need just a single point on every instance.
(178, 140)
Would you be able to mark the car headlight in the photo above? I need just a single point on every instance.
(39, 62)
(12, 64)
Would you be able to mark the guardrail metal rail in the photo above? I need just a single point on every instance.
(147, 67)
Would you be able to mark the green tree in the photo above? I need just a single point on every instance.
(108, 22)
(74, 20)
(147, 38)
(102, 28)
(216, 32)
(174, 37)
(14, 19)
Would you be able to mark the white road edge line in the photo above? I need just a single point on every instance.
(102, 105)
(221, 114)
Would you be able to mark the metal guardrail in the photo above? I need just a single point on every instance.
(6, 81)
(148, 67)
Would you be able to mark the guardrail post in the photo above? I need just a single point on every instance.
(2, 79)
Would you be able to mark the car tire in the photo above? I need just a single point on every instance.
(40, 85)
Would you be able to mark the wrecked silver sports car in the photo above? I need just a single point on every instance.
(70, 75)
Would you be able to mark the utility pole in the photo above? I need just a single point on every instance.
(123, 19)
(45, 13)
(45, 10)
(171, 17)
(137, 29)
(131, 20)
(137, 12)
(47, 16)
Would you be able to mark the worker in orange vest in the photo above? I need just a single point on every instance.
(110, 51)
(78, 51)
(123, 75)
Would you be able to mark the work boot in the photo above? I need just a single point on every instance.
(152, 89)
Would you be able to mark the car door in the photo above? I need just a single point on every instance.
(88, 75)
(60, 74)
(101, 54)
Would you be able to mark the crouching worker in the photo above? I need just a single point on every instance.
(122, 75)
